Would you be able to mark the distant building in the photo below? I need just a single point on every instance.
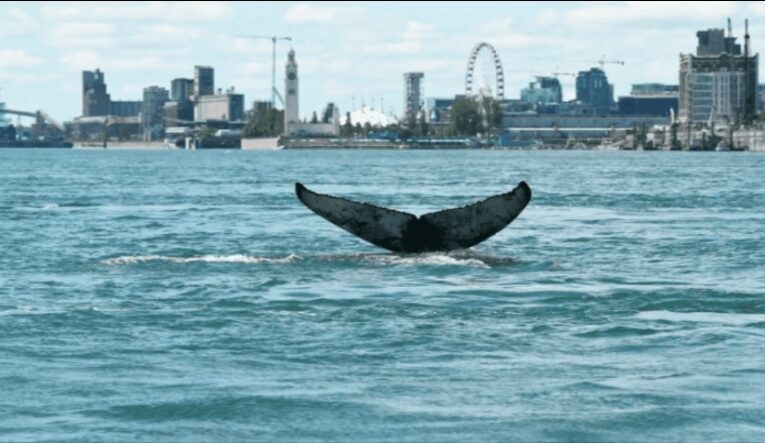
(291, 102)
(7, 130)
(126, 108)
(719, 83)
(545, 90)
(714, 42)
(95, 100)
(3, 119)
(367, 115)
(653, 89)
(647, 105)
(181, 89)
(412, 96)
(152, 114)
(592, 88)
(99, 128)
(438, 109)
(292, 125)
(228, 107)
(204, 81)
(7, 133)
(649, 99)
(178, 113)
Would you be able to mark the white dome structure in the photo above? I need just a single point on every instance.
(373, 117)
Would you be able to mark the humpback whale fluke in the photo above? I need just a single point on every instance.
(398, 231)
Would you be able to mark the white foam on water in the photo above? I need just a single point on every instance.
(235, 258)
(703, 317)
(425, 260)
(49, 206)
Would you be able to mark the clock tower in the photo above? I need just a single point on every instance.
(291, 112)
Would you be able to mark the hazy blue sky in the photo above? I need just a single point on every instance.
(343, 49)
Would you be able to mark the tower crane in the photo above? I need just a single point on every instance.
(603, 61)
(556, 74)
(274, 39)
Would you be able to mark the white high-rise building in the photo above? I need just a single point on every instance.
(291, 108)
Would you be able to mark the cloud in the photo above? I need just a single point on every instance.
(164, 32)
(247, 45)
(17, 58)
(500, 26)
(432, 65)
(29, 78)
(548, 17)
(16, 22)
(255, 68)
(412, 40)
(158, 11)
(78, 60)
(392, 48)
(623, 12)
(82, 34)
(305, 13)
(149, 62)
(116, 62)
(417, 30)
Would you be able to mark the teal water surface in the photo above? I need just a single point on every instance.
(188, 296)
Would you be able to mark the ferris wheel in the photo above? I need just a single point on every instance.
(485, 76)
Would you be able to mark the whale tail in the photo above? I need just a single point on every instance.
(398, 231)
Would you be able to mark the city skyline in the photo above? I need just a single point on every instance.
(343, 51)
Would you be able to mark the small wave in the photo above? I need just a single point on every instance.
(617, 332)
(425, 260)
(49, 206)
(468, 258)
(703, 317)
(77, 204)
(235, 258)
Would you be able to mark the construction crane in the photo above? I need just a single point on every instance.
(556, 74)
(274, 39)
(603, 61)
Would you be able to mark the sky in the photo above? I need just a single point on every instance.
(348, 53)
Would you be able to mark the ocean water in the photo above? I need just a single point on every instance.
(188, 296)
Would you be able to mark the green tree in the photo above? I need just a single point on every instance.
(491, 110)
(422, 127)
(314, 118)
(347, 129)
(466, 118)
(265, 123)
